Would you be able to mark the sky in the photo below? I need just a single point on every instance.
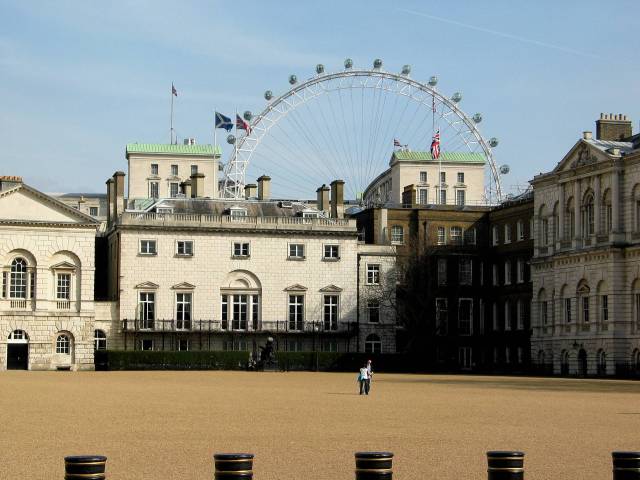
(81, 79)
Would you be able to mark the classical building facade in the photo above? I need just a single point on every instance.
(586, 265)
(47, 310)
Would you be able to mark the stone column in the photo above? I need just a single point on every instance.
(577, 225)
(597, 201)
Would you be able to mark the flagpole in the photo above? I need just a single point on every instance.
(235, 154)
(215, 133)
(171, 122)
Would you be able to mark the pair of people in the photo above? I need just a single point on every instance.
(364, 378)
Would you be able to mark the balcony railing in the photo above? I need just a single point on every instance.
(18, 304)
(63, 305)
(224, 326)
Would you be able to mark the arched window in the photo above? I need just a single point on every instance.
(18, 336)
(544, 225)
(543, 308)
(583, 306)
(636, 205)
(63, 344)
(99, 340)
(372, 344)
(569, 220)
(588, 219)
(601, 358)
(18, 288)
(397, 235)
(556, 222)
(606, 213)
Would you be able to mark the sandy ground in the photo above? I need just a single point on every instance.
(167, 425)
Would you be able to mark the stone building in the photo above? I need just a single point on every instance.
(94, 204)
(47, 309)
(586, 265)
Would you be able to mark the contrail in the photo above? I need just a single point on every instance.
(502, 34)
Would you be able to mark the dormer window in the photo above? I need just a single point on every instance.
(237, 212)
(310, 214)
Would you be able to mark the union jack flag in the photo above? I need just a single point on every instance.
(396, 143)
(435, 146)
(173, 90)
(242, 124)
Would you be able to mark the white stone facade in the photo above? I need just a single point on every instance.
(47, 253)
(586, 266)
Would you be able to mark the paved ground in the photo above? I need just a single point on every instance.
(167, 425)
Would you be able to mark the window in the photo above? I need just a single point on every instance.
(372, 344)
(423, 177)
(373, 274)
(237, 212)
(520, 230)
(32, 283)
(496, 280)
(148, 247)
(604, 308)
(174, 189)
(224, 303)
(18, 287)
(443, 177)
(442, 236)
(296, 312)
(154, 169)
(520, 353)
(397, 235)
(507, 315)
(93, 211)
(567, 310)
(443, 196)
(456, 235)
(481, 315)
(507, 272)
(507, 355)
(519, 315)
(331, 252)
(460, 177)
(465, 271)
(465, 316)
(442, 316)
(507, 233)
(460, 197)
(99, 340)
(544, 312)
(63, 344)
(296, 250)
(146, 344)
(520, 271)
(423, 196)
(373, 311)
(255, 311)
(545, 231)
(241, 249)
(330, 312)
(4, 284)
(174, 170)
(585, 309)
(183, 311)
(154, 188)
(494, 235)
(442, 271)
(589, 218)
(194, 169)
(494, 317)
(146, 309)
(240, 303)
(183, 345)
(184, 248)
(481, 273)
(63, 286)
(470, 236)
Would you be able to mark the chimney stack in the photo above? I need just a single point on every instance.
(110, 199)
(9, 181)
(586, 135)
(264, 187)
(337, 199)
(186, 188)
(118, 194)
(612, 127)
(410, 196)
(197, 185)
(323, 198)
(250, 191)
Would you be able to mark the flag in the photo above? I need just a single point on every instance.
(242, 124)
(174, 92)
(396, 143)
(435, 146)
(223, 122)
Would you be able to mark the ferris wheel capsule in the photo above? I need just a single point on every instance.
(377, 64)
(493, 142)
(247, 115)
(433, 81)
(268, 95)
(293, 79)
(456, 97)
(504, 169)
(477, 118)
(231, 139)
(406, 70)
(319, 68)
(348, 63)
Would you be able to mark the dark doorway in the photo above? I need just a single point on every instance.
(582, 362)
(17, 356)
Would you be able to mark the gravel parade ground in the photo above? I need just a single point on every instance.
(167, 425)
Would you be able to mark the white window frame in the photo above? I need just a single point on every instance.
(470, 319)
(63, 344)
(373, 273)
(333, 322)
(149, 321)
(397, 239)
(174, 170)
(151, 188)
(333, 249)
(461, 197)
(507, 233)
(456, 239)
(507, 272)
(99, 339)
(174, 186)
(295, 317)
(442, 271)
(442, 236)
(520, 230)
(69, 286)
(186, 252)
(423, 177)
(241, 249)
(154, 169)
(465, 275)
(373, 305)
(184, 321)
(460, 177)
(296, 251)
(520, 271)
(519, 316)
(507, 316)
(495, 238)
(148, 251)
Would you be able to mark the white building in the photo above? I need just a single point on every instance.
(456, 178)
(586, 265)
(47, 250)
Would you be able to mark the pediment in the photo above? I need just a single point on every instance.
(26, 204)
(183, 286)
(331, 289)
(147, 285)
(63, 266)
(296, 287)
(580, 154)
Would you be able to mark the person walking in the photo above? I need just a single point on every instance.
(369, 373)
(363, 379)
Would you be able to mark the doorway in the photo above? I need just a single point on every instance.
(18, 351)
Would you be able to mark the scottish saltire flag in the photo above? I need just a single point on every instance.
(435, 146)
(223, 122)
(242, 124)
(174, 92)
(396, 143)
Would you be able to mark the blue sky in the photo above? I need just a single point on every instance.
(80, 79)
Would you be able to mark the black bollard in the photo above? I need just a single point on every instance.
(626, 465)
(231, 466)
(505, 465)
(85, 467)
(374, 465)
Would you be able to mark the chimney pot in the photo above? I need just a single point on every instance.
(587, 135)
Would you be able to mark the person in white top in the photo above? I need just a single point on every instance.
(364, 380)
(369, 372)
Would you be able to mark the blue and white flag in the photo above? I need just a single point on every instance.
(223, 122)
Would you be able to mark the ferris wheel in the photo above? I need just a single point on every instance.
(344, 125)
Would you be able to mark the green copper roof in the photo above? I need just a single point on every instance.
(167, 149)
(458, 157)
